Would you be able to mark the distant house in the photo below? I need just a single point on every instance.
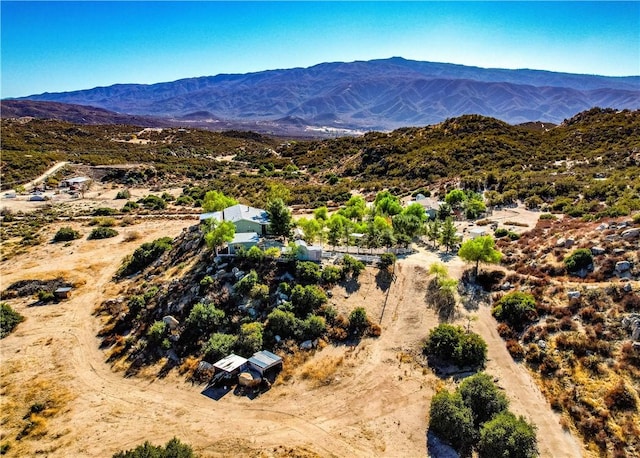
(243, 217)
(264, 360)
(75, 182)
(308, 252)
(251, 224)
(431, 206)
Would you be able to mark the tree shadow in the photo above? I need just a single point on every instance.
(437, 448)
(446, 256)
(440, 300)
(351, 285)
(384, 279)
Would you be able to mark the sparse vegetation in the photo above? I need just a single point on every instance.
(172, 449)
(102, 233)
(9, 319)
(66, 234)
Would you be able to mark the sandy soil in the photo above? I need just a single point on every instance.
(373, 400)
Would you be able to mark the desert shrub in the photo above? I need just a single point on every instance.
(9, 319)
(205, 317)
(104, 211)
(313, 327)
(515, 349)
(621, 397)
(516, 309)
(102, 221)
(218, 346)
(331, 274)
(483, 397)
(185, 201)
(452, 421)
(533, 355)
(123, 194)
(250, 338)
(152, 202)
(66, 234)
(130, 205)
(102, 233)
(167, 197)
(548, 216)
(306, 299)
(143, 256)
(500, 232)
(131, 236)
(386, 260)
(505, 331)
(45, 295)
(448, 343)
(282, 323)
(308, 272)
(156, 333)
(172, 449)
(254, 255)
(246, 283)
(508, 436)
(579, 259)
(358, 320)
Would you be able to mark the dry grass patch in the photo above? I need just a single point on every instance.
(321, 371)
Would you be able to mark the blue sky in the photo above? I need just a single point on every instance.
(62, 46)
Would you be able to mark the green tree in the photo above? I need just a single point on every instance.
(452, 421)
(218, 232)
(9, 319)
(280, 218)
(483, 397)
(355, 208)
(473, 208)
(278, 191)
(387, 204)
(452, 344)
(407, 225)
(516, 309)
(508, 436)
(321, 213)
(480, 249)
(448, 236)
(254, 254)
(215, 201)
(312, 229)
(455, 198)
(416, 210)
(434, 228)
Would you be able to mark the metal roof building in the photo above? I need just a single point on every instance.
(264, 360)
(231, 364)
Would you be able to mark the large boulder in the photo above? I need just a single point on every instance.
(623, 266)
(171, 322)
(597, 250)
(631, 233)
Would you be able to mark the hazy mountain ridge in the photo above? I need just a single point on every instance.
(378, 94)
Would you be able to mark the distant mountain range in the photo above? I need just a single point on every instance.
(364, 95)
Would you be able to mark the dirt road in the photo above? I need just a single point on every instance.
(373, 402)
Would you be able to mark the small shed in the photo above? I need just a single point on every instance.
(63, 292)
(308, 252)
(264, 360)
(243, 240)
(477, 232)
(75, 182)
(231, 365)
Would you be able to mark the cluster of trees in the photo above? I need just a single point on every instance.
(451, 344)
(475, 416)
